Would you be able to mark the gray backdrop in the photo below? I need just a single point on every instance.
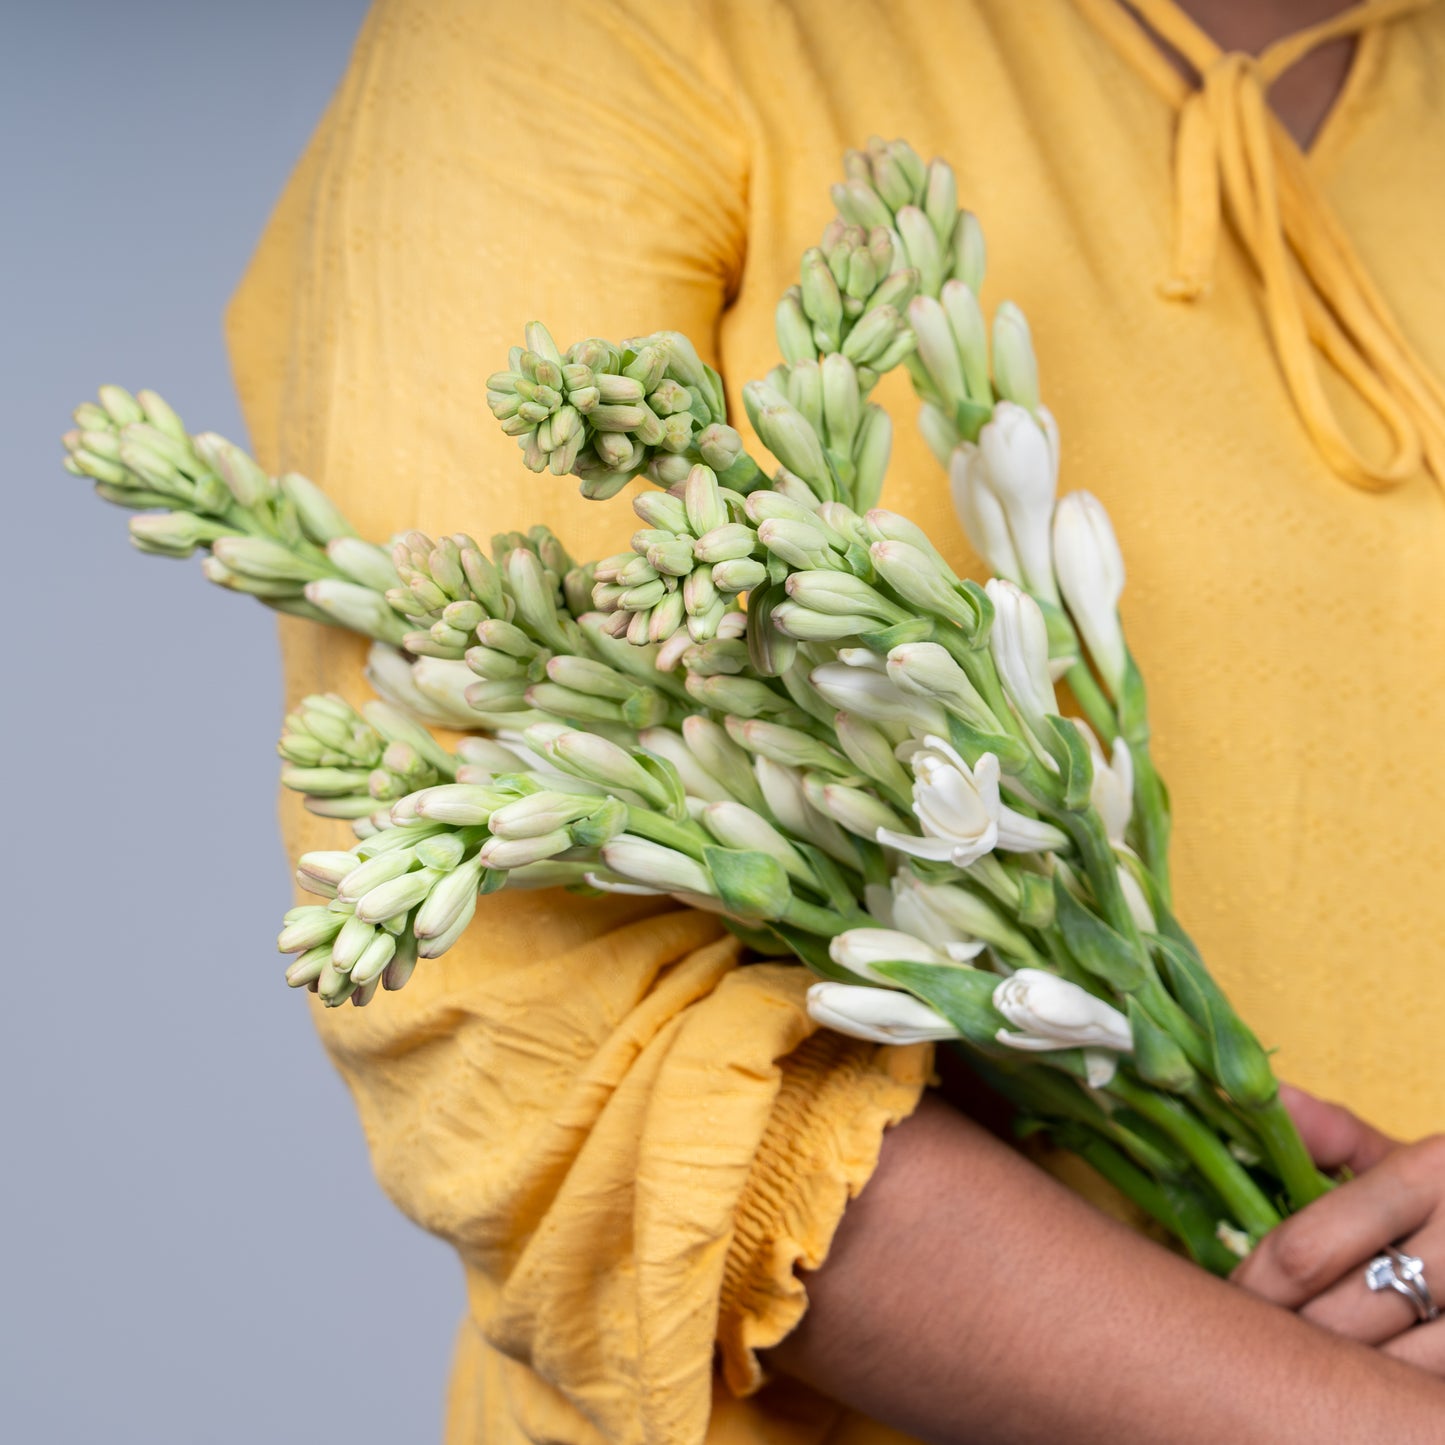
(194, 1249)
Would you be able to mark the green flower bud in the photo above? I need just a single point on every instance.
(399, 895)
(373, 873)
(799, 544)
(969, 253)
(357, 608)
(794, 331)
(321, 519)
(355, 937)
(784, 745)
(308, 927)
(1015, 370)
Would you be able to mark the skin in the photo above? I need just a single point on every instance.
(1304, 95)
(1314, 1263)
(970, 1297)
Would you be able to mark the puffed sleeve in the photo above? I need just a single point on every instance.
(630, 1140)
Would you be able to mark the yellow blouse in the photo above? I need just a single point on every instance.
(630, 1141)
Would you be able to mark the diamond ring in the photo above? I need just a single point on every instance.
(1405, 1274)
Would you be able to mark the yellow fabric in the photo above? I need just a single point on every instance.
(1317, 295)
(629, 1140)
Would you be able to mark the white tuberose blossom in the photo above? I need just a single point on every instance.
(1112, 791)
(961, 812)
(880, 1015)
(1052, 1013)
(981, 512)
(860, 948)
(1019, 644)
(1020, 468)
(872, 694)
(1090, 570)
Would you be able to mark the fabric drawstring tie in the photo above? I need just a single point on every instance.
(1320, 303)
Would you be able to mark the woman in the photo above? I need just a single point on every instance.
(633, 1143)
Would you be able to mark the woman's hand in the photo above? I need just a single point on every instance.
(1314, 1263)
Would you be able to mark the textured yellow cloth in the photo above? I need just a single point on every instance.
(630, 1141)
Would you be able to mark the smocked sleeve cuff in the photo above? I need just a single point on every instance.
(819, 1149)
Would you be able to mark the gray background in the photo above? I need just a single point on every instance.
(194, 1249)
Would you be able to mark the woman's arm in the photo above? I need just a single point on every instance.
(970, 1296)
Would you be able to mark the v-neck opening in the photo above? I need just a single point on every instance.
(1140, 45)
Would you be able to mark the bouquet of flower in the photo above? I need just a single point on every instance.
(780, 705)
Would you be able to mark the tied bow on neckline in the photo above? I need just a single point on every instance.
(1320, 302)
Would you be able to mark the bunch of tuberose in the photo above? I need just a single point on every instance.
(780, 705)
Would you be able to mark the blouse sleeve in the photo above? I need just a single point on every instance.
(630, 1140)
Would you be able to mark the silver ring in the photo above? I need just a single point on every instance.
(1405, 1274)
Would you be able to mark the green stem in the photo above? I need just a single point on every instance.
(1241, 1196)
(824, 922)
(684, 837)
(1086, 829)
(1303, 1183)
(1161, 1006)
(1091, 699)
(1120, 1171)
(1179, 1210)
(1151, 814)
(1223, 1120)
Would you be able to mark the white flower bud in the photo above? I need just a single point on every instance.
(981, 512)
(1052, 1013)
(1019, 643)
(783, 792)
(1019, 469)
(1137, 903)
(1090, 568)
(880, 1015)
(640, 861)
(444, 683)
(735, 826)
(696, 780)
(957, 922)
(859, 812)
(518, 852)
(1112, 791)
(539, 813)
(872, 695)
(860, 948)
(928, 670)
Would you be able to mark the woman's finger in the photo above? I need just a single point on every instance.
(1336, 1138)
(1424, 1346)
(1313, 1249)
(1351, 1308)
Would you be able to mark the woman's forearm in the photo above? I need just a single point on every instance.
(970, 1297)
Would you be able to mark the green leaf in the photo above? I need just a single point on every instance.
(973, 743)
(1240, 1064)
(604, 823)
(859, 563)
(837, 892)
(970, 418)
(751, 884)
(662, 772)
(770, 652)
(644, 709)
(1158, 1059)
(1037, 907)
(964, 996)
(813, 951)
(914, 629)
(1095, 946)
(1076, 766)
